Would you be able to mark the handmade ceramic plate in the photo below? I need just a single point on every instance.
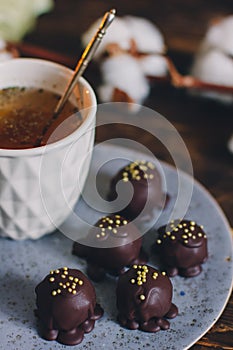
(200, 300)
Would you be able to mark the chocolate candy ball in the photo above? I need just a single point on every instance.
(182, 247)
(147, 189)
(66, 306)
(111, 244)
(144, 299)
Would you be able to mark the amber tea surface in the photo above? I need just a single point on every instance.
(25, 118)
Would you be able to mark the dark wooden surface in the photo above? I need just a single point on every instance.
(204, 125)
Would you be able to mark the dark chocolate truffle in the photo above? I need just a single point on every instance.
(182, 247)
(147, 189)
(66, 306)
(111, 245)
(144, 299)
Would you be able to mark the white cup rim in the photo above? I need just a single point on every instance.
(5, 152)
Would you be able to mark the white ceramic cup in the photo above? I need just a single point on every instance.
(40, 186)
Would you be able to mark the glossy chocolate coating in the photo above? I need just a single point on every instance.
(182, 247)
(111, 244)
(147, 189)
(66, 306)
(144, 299)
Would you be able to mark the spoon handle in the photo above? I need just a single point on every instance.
(86, 57)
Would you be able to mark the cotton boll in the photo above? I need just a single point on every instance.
(153, 65)
(117, 33)
(123, 72)
(220, 35)
(146, 35)
(213, 63)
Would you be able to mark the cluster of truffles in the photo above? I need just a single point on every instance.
(182, 247)
(111, 245)
(147, 190)
(144, 299)
(66, 306)
(66, 299)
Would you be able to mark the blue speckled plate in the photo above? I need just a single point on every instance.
(201, 300)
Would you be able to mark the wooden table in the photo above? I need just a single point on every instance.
(204, 125)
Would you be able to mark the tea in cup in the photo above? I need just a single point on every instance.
(42, 169)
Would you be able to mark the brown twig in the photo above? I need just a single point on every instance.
(35, 51)
(174, 77)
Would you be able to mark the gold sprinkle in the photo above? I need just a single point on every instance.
(102, 234)
(151, 176)
(61, 284)
(63, 276)
(76, 280)
(101, 225)
(125, 179)
(139, 283)
(159, 241)
(168, 233)
(68, 284)
(144, 280)
(138, 178)
(202, 227)
(74, 292)
(142, 297)
(173, 238)
(117, 216)
(80, 282)
(51, 272)
(194, 237)
(97, 236)
(52, 279)
(65, 272)
(114, 230)
(110, 228)
(184, 236)
(204, 236)
(199, 234)
(135, 266)
(132, 281)
(192, 223)
(64, 286)
(150, 165)
(65, 268)
(145, 176)
(73, 286)
(59, 291)
(190, 234)
(192, 228)
(184, 224)
(180, 226)
(125, 174)
(186, 230)
(54, 293)
(125, 222)
(176, 229)
(186, 241)
(118, 222)
(70, 290)
(57, 271)
(163, 273)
